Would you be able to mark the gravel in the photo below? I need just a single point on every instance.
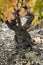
(9, 55)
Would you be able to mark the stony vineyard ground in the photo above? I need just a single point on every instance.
(11, 56)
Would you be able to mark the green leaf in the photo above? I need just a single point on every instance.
(38, 7)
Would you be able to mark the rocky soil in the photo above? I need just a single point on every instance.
(11, 56)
